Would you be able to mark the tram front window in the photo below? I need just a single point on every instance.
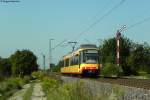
(91, 58)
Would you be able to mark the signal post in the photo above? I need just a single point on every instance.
(118, 36)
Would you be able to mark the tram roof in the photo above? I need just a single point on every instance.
(81, 48)
(88, 46)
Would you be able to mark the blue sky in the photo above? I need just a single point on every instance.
(30, 24)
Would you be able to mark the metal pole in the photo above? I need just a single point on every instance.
(43, 61)
(50, 53)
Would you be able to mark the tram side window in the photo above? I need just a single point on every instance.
(61, 63)
(81, 57)
(76, 59)
(72, 61)
(67, 62)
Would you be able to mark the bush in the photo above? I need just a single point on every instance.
(9, 86)
(50, 84)
(26, 79)
(1, 79)
(129, 70)
(14, 83)
(38, 75)
(111, 70)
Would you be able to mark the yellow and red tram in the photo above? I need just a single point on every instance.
(83, 61)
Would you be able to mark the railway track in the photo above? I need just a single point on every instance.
(138, 83)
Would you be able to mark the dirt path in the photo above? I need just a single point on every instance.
(19, 95)
(38, 93)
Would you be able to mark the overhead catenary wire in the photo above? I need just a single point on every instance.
(134, 25)
(99, 19)
(101, 10)
(59, 44)
(106, 5)
(138, 23)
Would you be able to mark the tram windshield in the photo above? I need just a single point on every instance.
(91, 57)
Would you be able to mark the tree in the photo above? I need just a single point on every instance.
(139, 58)
(5, 67)
(23, 63)
(108, 50)
(56, 68)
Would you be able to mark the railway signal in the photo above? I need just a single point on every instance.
(118, 37)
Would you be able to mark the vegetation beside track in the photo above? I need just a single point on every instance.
(56, 89)
(11, 85)
(111, 70)
(15, 71)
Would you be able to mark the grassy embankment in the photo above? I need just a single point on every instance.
(56, 89)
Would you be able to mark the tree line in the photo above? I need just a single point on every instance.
(21, 63)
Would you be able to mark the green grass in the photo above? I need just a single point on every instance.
(148, 76)
(75, 91)
(144, 74)
(27, 95)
